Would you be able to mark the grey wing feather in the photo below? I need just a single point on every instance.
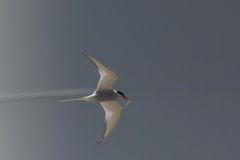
(108, 77)
(113, 112)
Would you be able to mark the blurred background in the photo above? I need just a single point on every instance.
(178, 61)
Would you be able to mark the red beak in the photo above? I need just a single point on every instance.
(125, 97)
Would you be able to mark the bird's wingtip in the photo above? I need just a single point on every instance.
(100, 141)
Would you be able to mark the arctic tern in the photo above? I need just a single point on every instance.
(106, 96)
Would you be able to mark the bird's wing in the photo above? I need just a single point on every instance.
(108, 77)
(113, 111)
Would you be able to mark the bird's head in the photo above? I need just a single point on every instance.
(120, 93)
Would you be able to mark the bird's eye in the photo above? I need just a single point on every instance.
(120, 93)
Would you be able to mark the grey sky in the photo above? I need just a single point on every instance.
(177, 61)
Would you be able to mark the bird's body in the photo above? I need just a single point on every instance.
(102, 96)
(106, 96)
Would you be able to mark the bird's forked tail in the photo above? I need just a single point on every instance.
(80, 99)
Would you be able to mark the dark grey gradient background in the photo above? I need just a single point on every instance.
(178, 61)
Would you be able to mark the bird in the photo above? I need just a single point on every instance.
(106, 96)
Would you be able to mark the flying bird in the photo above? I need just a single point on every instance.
(106, 96)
